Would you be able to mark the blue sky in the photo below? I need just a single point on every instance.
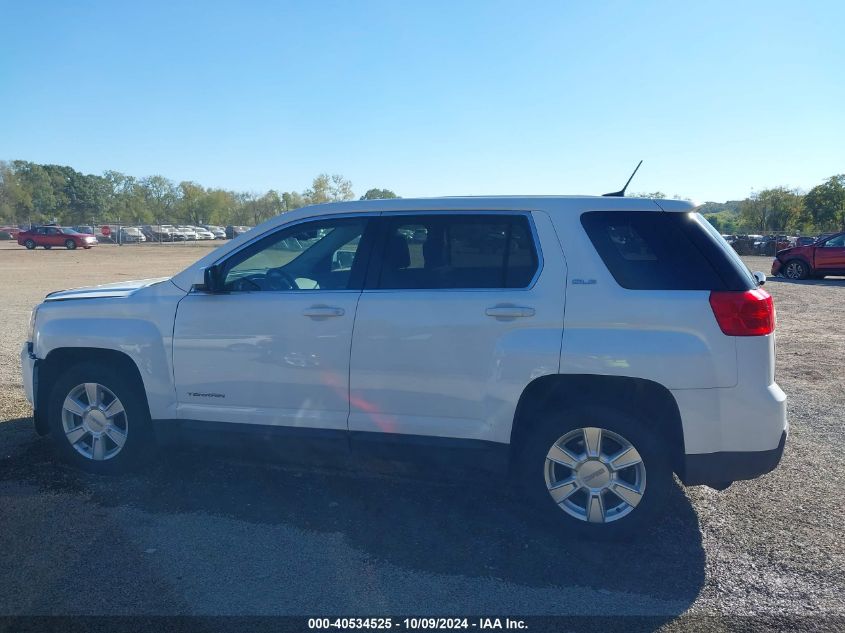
(431, 98)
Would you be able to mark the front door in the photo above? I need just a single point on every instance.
(831, 255)
(53, 237)
(274, 348)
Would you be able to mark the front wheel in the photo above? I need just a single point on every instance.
(597, 472)
(70, 245)
(796, 269)
(29, 245)
(98, 419)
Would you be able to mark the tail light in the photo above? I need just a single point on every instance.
(749, 313)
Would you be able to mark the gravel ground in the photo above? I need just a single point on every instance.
(204, 533)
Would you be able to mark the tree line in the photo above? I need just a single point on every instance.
(34, 193)
(30, 192)
(779, 210)
(783, 210)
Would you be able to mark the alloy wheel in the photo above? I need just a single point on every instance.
(595, 475)
(794, 270)
(94, 421)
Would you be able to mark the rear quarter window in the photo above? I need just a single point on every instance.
(646, 250)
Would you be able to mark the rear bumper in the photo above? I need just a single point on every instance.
(717, 469)
(776, 266)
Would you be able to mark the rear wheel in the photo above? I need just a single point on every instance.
(796, 269)
(70, 245)
(98, 419)
(596, 471)
(29, 244)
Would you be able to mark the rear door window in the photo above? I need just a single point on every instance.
(452, 251)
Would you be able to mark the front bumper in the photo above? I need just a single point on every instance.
(776, 266)
(718, 469)
(28, 361)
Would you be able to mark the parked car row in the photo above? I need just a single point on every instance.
(86, 236)
(769, 244)
(185, 232)
(165, 233)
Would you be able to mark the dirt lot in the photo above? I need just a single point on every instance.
(199, 533)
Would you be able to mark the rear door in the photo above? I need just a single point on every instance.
(831, 254)
(462, 311)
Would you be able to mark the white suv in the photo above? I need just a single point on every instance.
(591, 345)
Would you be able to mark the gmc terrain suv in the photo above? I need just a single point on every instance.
(590, 346)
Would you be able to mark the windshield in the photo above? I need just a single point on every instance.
(70, 232)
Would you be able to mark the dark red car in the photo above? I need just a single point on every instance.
(50, 236)
(824, 257)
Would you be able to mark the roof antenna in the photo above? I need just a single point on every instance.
(621, 192)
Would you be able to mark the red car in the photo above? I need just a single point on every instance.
(50, 236)
(824, 257)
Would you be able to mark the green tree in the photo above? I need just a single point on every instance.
(378, 194)
(325, 188)
(725, 222)
(191, 206)
(86, 197)
(776, 209)
(267, 206)
(15, 200)
(292, 200)
(825, 203)
(160, 196)
(125, 199)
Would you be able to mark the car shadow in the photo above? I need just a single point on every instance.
(414, 522)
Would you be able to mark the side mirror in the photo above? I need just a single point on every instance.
(208, 279)
(759, 277)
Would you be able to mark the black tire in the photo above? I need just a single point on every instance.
(70, 245)
(796, 269)
(30, 245)
(531, 460)
(139, 438)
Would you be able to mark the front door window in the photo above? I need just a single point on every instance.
(319, 255)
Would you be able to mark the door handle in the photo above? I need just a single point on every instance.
(323, 311)
(509, 312)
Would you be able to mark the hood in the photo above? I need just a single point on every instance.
(118, 290)
(792, 250)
